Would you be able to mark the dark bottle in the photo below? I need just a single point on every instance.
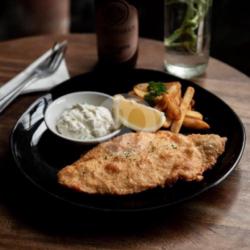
(117, 34)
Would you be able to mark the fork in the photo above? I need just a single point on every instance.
(46, 68)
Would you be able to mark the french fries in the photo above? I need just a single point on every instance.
(174, 90)
(179, 110)
(172, 109)
(132, 93)
(190, 122)
(141, 89)
(167, 123)
(194, 114)
(187, 98)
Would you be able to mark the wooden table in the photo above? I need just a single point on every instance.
(217, 219)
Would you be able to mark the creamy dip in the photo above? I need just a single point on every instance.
(85, 121)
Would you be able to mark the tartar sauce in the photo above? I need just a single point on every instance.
(85, 121)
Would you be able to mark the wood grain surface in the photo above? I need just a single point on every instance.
(217, 219)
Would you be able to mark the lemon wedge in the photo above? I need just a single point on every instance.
(136, 116)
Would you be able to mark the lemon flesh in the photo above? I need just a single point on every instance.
(137, 116)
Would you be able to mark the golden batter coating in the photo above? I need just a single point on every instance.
(135, 162)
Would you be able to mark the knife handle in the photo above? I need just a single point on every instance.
(5, 101)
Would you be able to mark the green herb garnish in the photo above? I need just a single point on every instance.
(154, 89)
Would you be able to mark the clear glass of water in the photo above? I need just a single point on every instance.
(187, 37)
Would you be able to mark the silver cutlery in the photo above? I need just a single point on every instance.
(45, 68)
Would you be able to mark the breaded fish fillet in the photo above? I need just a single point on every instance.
(134, 162)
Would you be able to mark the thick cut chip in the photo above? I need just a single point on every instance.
(135, 162)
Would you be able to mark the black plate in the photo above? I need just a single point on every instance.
(39, 154)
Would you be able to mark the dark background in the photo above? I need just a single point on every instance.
(230, 25)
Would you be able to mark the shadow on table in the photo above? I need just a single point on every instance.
(32, 208)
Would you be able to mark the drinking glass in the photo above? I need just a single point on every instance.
(187, 36)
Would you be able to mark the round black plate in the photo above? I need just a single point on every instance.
(39, 154)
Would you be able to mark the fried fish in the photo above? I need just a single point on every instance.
(135, 162)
